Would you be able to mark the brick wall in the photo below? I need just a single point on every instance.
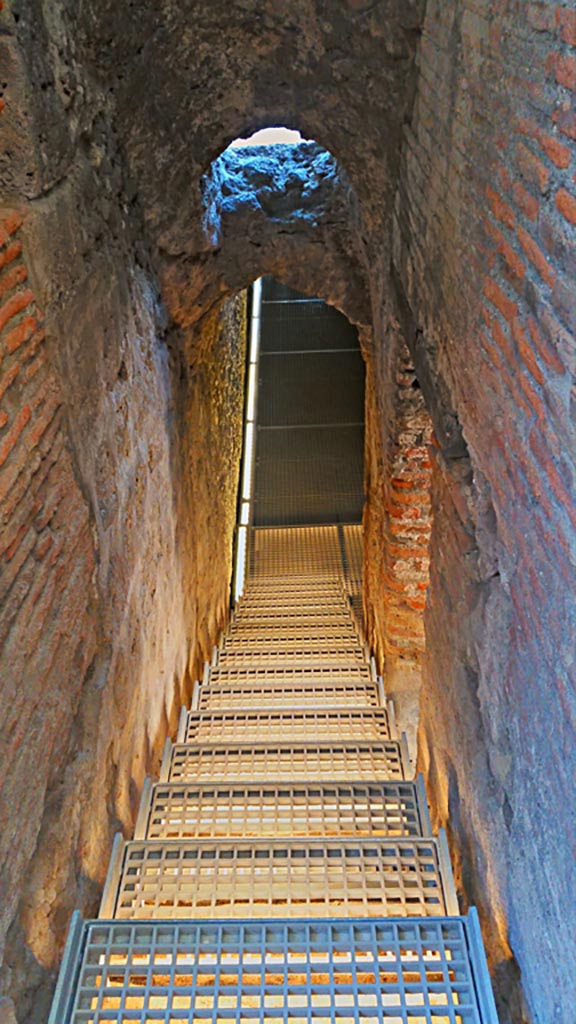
(116, 546)
(485, 249)
(396, 520)
(46, 572)
(407, 524)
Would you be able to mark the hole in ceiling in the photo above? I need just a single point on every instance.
(270, 137)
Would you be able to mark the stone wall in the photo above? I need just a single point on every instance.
(214, 356)
(49, 636)
(65, 740)
(117, 529)
(396, 522)
(484, 246)
(108, 545)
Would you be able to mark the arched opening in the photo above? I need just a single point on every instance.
(288, 210)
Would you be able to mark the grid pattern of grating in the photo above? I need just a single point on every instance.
(268, 879)
(354, 552)
(274, 573)
(292, 588)
(296, 655)
(288, 694)
(354, 557)
(268, 724)
(337, 642)
(340, 401)
(355, 673)
(307, 600)
(339, 972)
(291, 605)
(288, 761)
(308, 559)
(293, 632)
(361, 809)
(302, 616)
(329, 329)
(304, 474)
(310, 436)
(288, 803)
(259, 602)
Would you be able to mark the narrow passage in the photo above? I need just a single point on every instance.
(283, 868)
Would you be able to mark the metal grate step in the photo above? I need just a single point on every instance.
(289, 625)
(266, 694)
(192, 811)
(293, 878)
(297, 619)
(273, 607)
(304, 674)
(430, 971)
(318, 647)
(308, 584)
(293, 601)
(296, 655)
(297, 551)
(285, 760)
(278, 611)
(271, 593)
(268, 724)
(318, 639)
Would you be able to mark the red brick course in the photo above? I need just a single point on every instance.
(489, 270)
(46, 563)
(566, 204)
(406, 504)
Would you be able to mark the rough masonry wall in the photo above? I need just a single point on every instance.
(48, 633)
(485, 251)
(101, 567)
(396, 522)
(115, 589)
(94, 578)
(214, 358)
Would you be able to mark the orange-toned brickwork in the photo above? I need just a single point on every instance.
(46, 566)
(486, 253)
(407, 517)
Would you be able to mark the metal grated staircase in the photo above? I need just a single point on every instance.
(283, 869)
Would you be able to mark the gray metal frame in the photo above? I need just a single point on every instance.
(355, 970)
